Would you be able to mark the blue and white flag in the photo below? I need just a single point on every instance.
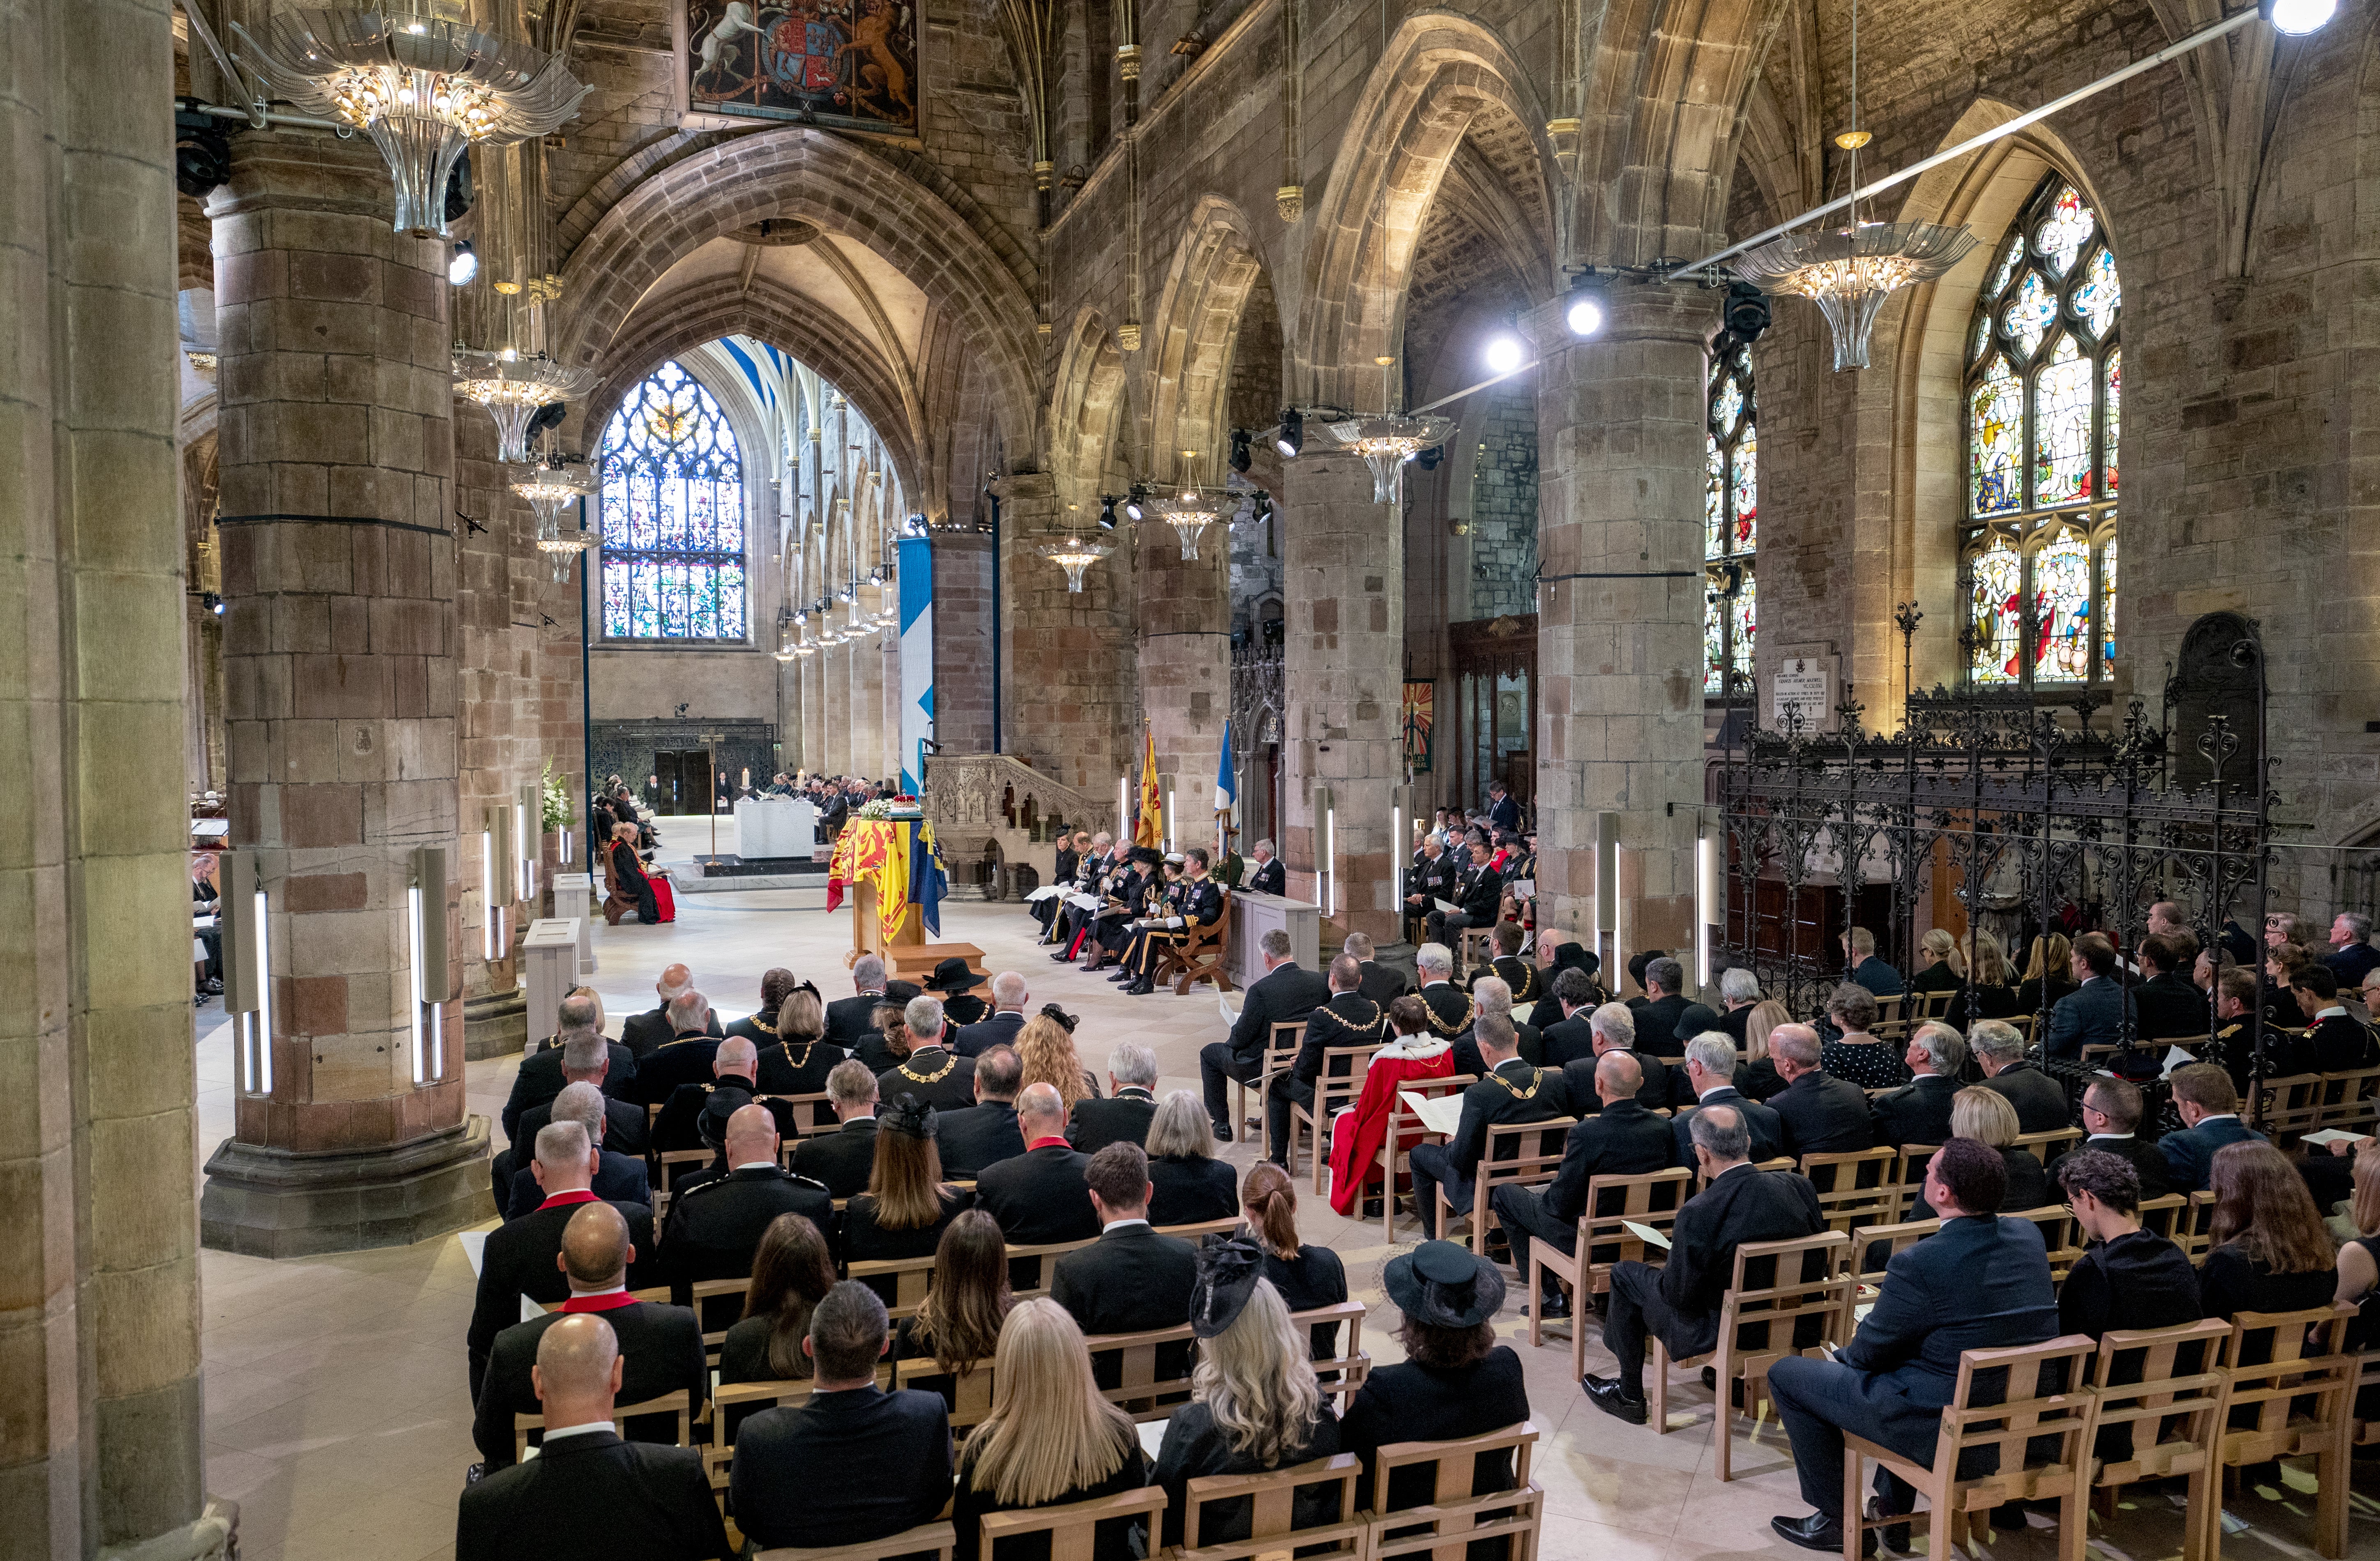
(917, 562)
(1227, 791)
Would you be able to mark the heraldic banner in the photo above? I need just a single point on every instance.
(850, 64)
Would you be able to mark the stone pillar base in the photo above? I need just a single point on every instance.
(279, 1203)
(495, 1026)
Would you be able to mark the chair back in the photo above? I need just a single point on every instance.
(926, 1539)
(2163, 1214)
(2291, 1106)
(1199, 1231)
(2364, 1431)
(1339, 1374)
(1044, 1261)
(1282, 1045)
(1855, 1187)
(713, 1340)
(807, 1110)
(1072, 1527)
(1786, 1298)
(1932, 1005)
(1652, 1199)
(2047, 1146)
(1404, 1130)
(1144, 1375)
(680, 1403)
(666, 1166)
(968, 1396)
(2169, 1402)
(1272, 1513)
(2195, 1233)
(2060, 1237)
(2008, 1400)
(1875, 1246)
(2351, 1101)
(2305, 1367)
(911, 1279)
(1453, 1518)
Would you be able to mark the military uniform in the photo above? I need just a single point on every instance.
(1517, 974)
(716, 1220)
(1196, 905)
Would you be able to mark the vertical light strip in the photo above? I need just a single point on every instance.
(490, 912)
(1169, 820)
(1123, 811)
(413, 974)
(1330, 856)
(263, 1056)
(523, 852)
(1705, 906)
(1398, 852)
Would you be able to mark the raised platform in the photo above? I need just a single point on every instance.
(728, 865)
(915, 962)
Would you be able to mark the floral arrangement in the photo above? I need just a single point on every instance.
(903, 806)
(554, 792)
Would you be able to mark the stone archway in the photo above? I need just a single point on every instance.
(1207, 287)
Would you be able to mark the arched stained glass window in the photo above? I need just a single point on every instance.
(2045, 384)
(1731, 521)
(673, 514)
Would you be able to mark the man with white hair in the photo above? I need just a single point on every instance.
(1349, 1019)
(684, 1059)
(2040, 1100)
(1272, 875)
(841, 1160)
(934, 1073)
(619, 1178)
(644, 1033)
(1450, 1010)
(1709, 1072)
(848, 1019)
(1614, 1029)
(1739, 990)
(1919, 1111)
(1009, 998)
(1493, 994)
(2353, 957)
(1130, 1104)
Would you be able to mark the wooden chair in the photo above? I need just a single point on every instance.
(2163, 1214)
(1198, 957)
(2196, 1231)
(1869, 1262)
(680, 1403)
(1044, 1260)
(1931, 1005)
(1272, 1514)
(665, 1167)
(2029, 1392)
(1332, 1090)
(727, 1404)
(1405, 1130)
(1198, 1231)
(1453, 1518)
(1887, 1009)
(911, 1277)
(2290, 1106)
(1856, 1186)
(969, 1396)
(1652, 1199)
(1530, 1160)
(1281, 1051)
(2352, 1100)
(2166, 1412)
(2308, 1362)
(939, 1538)
(2365, 1433)
(2058, 1237)
(1768, 1300)
(1142, 1391)
(2047, 1146)
(1471, 948)
(1341, 1372)
(812, 1115)
(714, 1339)
(1073, 1528)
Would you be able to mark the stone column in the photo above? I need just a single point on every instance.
(1620, 611)
(1063, 679)
(811, 671)
(889, 648)
(1185, 666)
(497, 747)
(963, 630)
(340, 645)
(101, 1447)
(863, 710)
(1343, 668)
(835, 680)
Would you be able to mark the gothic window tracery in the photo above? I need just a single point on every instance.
(673, 514)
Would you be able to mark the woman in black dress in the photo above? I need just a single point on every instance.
(1755, 1077)
(1989, 994)
(1049, 1440)
(958, 1326)
(2269, 1252)
(1306, 1276)
(906, 1206)
(1945, 968)
(1192, 1186)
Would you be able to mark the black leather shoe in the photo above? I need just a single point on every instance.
(1895, 1537)
(1223, 1133)
(1607, 1395)
(1553, 1308)
(1140, 988)
(1817, 1531)
(1710, 1378)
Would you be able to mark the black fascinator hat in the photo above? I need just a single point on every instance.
(1228, 1267)
(1066, 1021)
(908, 1116)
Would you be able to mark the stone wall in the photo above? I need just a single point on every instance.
(1504, 508)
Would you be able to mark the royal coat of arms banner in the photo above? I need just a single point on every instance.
(849, 65)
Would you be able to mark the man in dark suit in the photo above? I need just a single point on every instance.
(1271, 875)
(695, 1116)
(531, 1104)
(2210, 1118)
(1680, 1302)
(1349, 1019)
(1614, 1031)
(842, 1161)
(1919, 1111)
(683, 1060)
(1622, 1139)
(1429, 879)
(2127, 1278)
(1664, 1005)
(1573, 1038)
(1009, 998)
(1823, 1114)
(1124, 1117)
(1981, 1282)
(662, 1345)
(931, 1071)
(2335, 1041)
(1039, 1197)
(542, 1072)
(2097, 1012)
(519, 1257)
(1490, 994)
(848, 1019)
(716, 1219)
(1131, 1280)
(588, 1493)
(1284, 994)
(620, 1179)
(646, 1032)
(1511, 1092)
(1709, 1074)
(2040, 1100)
(1862, 968)
(985, 1133)
(1477, 892)
(1383, 984)
(1505, 939)
(853, 1465)
(2167, 1004)
(2111, 1114)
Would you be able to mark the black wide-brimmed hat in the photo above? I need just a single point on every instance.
(952, 975)
(1442, 1284)
(902, 991)
(1228, 1267)
(717, 1107)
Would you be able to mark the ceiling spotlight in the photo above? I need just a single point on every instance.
(1107, 512)
(1586, 309)
(1292, 437)
(2297, 18)
(463, 264)
(1132, 502)
(1239, 457)
(1505, 355)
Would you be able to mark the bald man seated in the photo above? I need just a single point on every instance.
(695, 1115)
(644, 1033)
(520, 1257)
(589, 1493)
(716, 1218)
(662, 1345)
(621, 1179)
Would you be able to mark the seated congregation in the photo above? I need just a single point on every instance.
(853, 1275)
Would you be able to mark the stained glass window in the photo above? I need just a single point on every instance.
(1731, 521)
(2043, 405)
(673, 514)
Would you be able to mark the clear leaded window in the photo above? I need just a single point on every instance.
(1731, 521)
(673, 514)
(2045, 385)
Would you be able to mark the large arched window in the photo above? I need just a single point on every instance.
(1731, 519)
(2045, 384)
(672, 515)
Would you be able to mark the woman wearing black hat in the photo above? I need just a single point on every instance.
(954, 982)
(1254, 1403)
(1455, 1380)
(907, 1205)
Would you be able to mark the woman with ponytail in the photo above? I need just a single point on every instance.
(1306, 1276)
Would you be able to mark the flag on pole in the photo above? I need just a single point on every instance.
(1227, 794)
(1150, 828)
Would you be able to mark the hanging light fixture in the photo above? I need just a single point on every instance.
(1190, 511)
(422, 86)
(1389, 440)
(1074, 554)
(550, 489)
(512, 381)
(1850, 271)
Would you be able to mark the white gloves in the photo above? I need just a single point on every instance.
(1173, 921)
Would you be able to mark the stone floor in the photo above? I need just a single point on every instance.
(336, 1412)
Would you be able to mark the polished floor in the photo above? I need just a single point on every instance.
(337, 1416)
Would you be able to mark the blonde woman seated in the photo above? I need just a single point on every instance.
(1987, 1116)
(1051, 1440)
(1191, 1186)
(1254, 1403)
(1756, 1078)
(1991, 989)
(1046, 1047)
(1945, 969)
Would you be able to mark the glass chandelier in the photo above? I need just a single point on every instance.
(1390, 439)
(1074, 554)
(511, 382)
(1850, 271)
(422, 86)
(550, 489)
(1190, 511)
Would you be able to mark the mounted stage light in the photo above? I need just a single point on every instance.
(1292, 437)
(1505, 354)
(1240, 456)
(1107, 512)
(1132, 507)
(2295, 18)
(464, 265)
(1587, 308)
(1746, 315)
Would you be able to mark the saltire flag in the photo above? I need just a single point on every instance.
(1150, 828)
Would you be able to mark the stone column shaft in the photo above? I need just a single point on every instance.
(1063, 673)
(1185, 666)
(863, 710)
(836, 672)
